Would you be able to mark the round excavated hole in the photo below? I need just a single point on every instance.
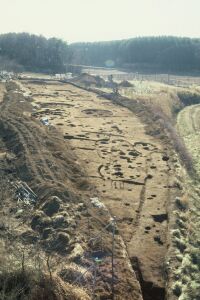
(104, 142)
(147, 228)
(122, 153)
(118, 174)
(98, 112)
(165, 158)
(123, 157)
(133, 153)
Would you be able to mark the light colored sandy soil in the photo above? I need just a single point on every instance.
(189, 126)
(2, 90)
(127, 167)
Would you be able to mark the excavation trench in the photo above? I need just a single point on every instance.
(149, 291)
(119, 169)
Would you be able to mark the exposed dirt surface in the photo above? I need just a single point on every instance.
(2, 91)
(62, 223)
(189, 126)
(130, 171)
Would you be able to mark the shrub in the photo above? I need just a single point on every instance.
(193, 290)
(195, 255)
(182, 203)
(181, 244)
(179, 257)
(185, 279)
(180, 223)
(177, 289)
(176, 233)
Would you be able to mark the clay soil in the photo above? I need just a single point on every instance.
(93, 148)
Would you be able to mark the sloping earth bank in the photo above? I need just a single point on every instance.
(132, 172)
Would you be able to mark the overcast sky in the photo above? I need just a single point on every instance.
(95, 20)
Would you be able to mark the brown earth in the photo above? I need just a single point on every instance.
(130, 172)
(42, 158)
(92, 148)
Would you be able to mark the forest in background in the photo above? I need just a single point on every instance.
(29, 52)
(168, 54)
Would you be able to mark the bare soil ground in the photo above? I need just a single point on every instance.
(189, 125)
(2, 90)
(69, 231)
(131, 172)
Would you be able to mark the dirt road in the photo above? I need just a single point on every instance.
(130, 170)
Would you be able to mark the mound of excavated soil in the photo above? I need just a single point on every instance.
(125, 83)
(89, 80)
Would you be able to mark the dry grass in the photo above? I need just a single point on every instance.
(28, 277)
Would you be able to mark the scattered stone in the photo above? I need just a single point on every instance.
(81, 207)
(72, 223)
(97, 203)
(59, 221)
(40, 220)
(77, 252)
(46, 233)
(29, 237)
(19, 213)
(73, 271)
(63, 239)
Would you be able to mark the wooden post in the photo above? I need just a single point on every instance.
(94, 281)
(49, 268)
(112, 258)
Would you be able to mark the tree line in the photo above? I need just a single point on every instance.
(33, 53)
(146, 53)
(23, 51)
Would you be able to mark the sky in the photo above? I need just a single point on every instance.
(101, 20)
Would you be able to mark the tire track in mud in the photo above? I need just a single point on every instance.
(26, 138)
(12, 125)
(141, 203)
(31, 143)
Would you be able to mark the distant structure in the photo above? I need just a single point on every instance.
(113, 84)
(65, 76)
